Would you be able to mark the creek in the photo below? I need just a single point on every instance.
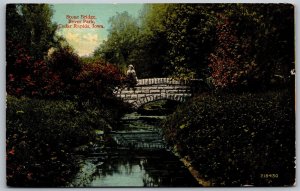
(139, 157)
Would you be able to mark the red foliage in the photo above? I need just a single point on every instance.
(230, 60)
(26, 76)
(62, 76)
(11, 152)
(98, 79)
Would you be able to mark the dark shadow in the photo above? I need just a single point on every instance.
(158, 107)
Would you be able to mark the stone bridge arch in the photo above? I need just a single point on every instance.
(152, 89)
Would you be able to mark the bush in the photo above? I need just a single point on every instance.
(41, 135)
(61, 76)
(29, 77)
(98, 79)
(237, 139)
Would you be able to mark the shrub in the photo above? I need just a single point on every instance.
(237, 139)
(27, 76)
(62, 75)
(98, 79)
(41, 136)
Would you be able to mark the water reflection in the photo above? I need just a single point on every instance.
(154, 169)
(124, 166)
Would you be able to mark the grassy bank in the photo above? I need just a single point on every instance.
(237, 139)
(41, 136)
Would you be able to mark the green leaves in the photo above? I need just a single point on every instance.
(232, 138)
(41, 134)
(32, 28)
(121, 41)
(244, 55)
(237, 45)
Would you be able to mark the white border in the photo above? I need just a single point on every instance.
(3, 88)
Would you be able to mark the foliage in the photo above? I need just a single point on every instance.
(30, 34)
(139, 42)
(168, 39)
(98, 79)
(61, 75)
(253, 46)
(150, 55)
(27, 76)
(121, 39)
(30, 26)
(231, 61)
(190, 33)
(231, 139)
(41, 136)
(235, 139)
(64, 63)
(237, 45)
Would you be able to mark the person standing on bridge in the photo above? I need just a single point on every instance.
(131, 78)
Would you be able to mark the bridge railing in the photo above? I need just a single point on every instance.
(167, 81)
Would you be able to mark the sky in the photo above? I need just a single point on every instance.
(85, 40)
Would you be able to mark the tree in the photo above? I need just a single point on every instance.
(140, 42)
(121, 41)
(150, 56)
(176, 39)
(30, 25)
(29, 35)
(67, 65)
(253, 46)
(231, 61)
(190, 32)
(235, 44)
(96, 82)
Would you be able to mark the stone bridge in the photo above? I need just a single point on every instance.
(153, 89)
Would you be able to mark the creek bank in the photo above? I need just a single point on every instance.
(186, 160)
(44, 136)
(110, 164)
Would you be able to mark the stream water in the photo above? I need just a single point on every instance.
(139, 159)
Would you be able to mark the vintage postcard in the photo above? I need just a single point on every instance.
(150, 95)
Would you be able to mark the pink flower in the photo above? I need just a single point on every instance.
(11, 152)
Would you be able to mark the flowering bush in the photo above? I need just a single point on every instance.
(29, 77)
(63, 75)
(98, 79)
